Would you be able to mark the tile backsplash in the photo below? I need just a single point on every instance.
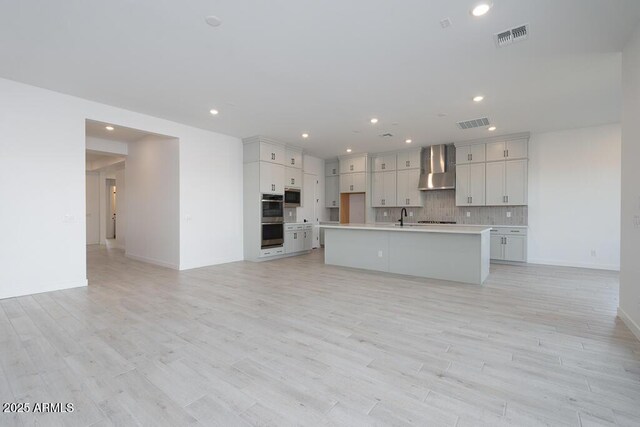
(441, 206)
(290, 215)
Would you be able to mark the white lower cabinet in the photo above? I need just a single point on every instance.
(509, 244)
(332, 191)
(407, 188)
(297, 238)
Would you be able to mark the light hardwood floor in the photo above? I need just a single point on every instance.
(295, 342)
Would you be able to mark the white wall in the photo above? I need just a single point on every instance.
(153, 201)
(43, 140)
(210, 200)
(574, 197)
(93, 207)
(629, 309)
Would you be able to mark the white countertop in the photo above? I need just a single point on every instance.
(456, 225)
(437, 228)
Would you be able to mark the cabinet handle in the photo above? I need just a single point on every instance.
(408, 201)
(470, 199)
(469, 157)
(293, 181)
(305, 234)
(507, 152)
(408, 163)
(293, 161)
(273, 156)
(507, 197)
(334, 202)
(350, 167)
(351, 187)
(273, 187)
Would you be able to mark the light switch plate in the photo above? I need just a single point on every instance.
(385, 213)
(410, 213)
(508, 214)
(468, 214)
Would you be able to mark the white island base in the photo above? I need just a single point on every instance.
(456, 253)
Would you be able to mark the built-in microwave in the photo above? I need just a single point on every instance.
(291, 197)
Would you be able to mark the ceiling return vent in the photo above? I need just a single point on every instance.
(474, 123)
(512, 35)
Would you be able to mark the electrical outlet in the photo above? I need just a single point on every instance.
(379, 254)
(468, 214)
(508, 214)
(385, 213)
(290, 213)
(410, 213)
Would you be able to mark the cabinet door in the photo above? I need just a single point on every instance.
(516, 149)
(377, 189)
(495, 184)
(515, 248)
(462, 185)
(272, 153)
(277, 177)
(463, 155)
(516, 182)
(331, 169)
(408, 193)
(495, 151)
(353, 164)
(346, 183)
(477, 173)
(389, 188)
(289, 243)
(307, 239)
(294, 158)
(384, 163)
(267, 186)
(408, 159)
(477, 153)
(332, 192)
(497, 247)
(293, 178)
(359, 182)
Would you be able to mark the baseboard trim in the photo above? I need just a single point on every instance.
(633, 326)
(152, 261)
(209, 264)
(608, 267)
(47, 288)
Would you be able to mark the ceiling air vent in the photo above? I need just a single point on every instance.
(474, 123)
(512, 35)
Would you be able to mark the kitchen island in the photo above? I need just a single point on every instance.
(456, 253)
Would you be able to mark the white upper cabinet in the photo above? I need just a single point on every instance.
(293, 177)
(409, 159)
(507, 150)
(332, 191)
(383, 189)
(470, 184)
(407, 188)
(272, 177)
(353, 182)
(272, 153)
(470, 154)
(331, 168)
(506, 183)
(293, 158)
(384, 162)
(353, 164)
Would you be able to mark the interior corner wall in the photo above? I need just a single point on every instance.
(43, 140)
(629, 309)
(152, 177)
(574, 197)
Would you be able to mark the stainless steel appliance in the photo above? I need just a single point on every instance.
(292, 198)
(272, 225)
(438, 167)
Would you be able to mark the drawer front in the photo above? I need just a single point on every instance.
(509, 231)
(271, 252)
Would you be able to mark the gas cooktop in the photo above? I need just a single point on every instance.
(437, 222)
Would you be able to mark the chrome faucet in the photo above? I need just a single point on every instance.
(403, 214)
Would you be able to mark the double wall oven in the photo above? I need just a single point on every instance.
(272, 220)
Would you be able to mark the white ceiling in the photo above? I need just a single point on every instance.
(283, 67)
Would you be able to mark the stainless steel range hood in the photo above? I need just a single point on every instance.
(438, 167)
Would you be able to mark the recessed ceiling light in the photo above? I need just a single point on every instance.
(408, 141)
(478, 98)
(213, 20)
(374, 121)
(492, 128)
(214, 112)
(348, 150)
(305, 135)
(481, 9)
(109, 128)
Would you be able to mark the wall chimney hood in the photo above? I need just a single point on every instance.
(438, 167)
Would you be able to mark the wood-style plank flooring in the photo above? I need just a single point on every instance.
(295, 342)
